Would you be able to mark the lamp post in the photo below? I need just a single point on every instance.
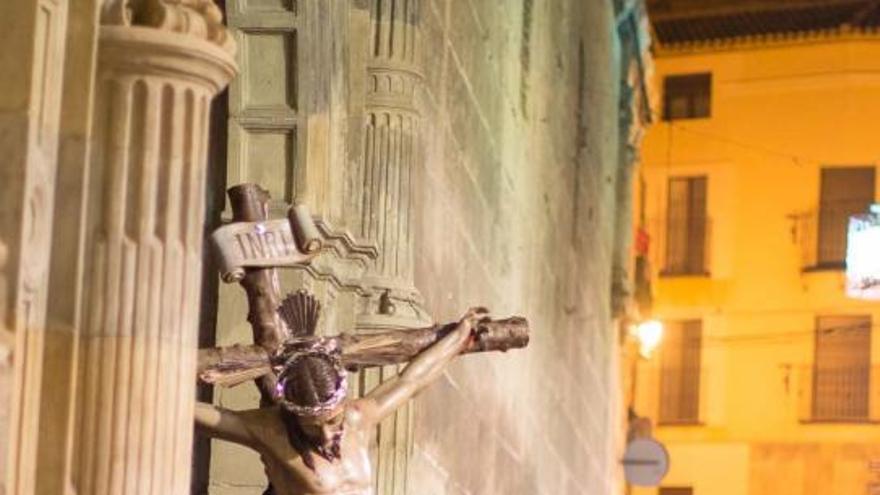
(648, 334)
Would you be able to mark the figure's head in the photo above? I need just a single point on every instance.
(312, 385)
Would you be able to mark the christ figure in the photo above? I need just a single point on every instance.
(314, 440)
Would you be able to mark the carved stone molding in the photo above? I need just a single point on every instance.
(383, 180)
(195, 18)
(392, 88)
(159, 65)
(124, 51)
(343, 261)
(32, 83)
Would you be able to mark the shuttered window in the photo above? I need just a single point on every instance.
(844, 191)
(686, 226)
(680, 372)
(841, 372)
(687, 96)
(676, 491)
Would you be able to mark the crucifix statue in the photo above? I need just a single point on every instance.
(312, 438)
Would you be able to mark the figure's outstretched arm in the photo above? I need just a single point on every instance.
(421, 371)
(222, 423)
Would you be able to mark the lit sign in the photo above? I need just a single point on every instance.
(863, 256)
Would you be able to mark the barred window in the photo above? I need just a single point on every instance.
(841, 371)
(687, 96)
(676, 491)
(844, 191)
(686, 226)
(680, 372)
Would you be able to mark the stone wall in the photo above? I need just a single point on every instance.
(480, 145)
(515, 210)
(504, 178)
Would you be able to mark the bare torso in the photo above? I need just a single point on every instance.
(351, 474)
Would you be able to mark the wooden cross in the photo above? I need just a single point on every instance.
(250, 248)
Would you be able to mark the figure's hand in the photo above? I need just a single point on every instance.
(467, 326)
(425, 368)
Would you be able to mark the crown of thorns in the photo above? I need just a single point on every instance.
(324, 349)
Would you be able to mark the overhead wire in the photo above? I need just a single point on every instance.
(796, 159)
(775, 336)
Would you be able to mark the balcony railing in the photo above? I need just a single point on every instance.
(681, 247)
(822, 233)
(842, 394)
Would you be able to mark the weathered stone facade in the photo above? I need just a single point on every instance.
(104, 112)
(517, 209)
(454, 153)
(486, 149)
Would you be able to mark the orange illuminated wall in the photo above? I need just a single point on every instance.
(759, 151)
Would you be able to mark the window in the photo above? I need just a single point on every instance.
(687, 96)
(676, 491)
(680, 372)
(841, 372)
(843, 192)
(686, 227)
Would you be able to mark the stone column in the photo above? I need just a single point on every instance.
(31, 61)
(382, 199)
(160, 62)
(392, 144)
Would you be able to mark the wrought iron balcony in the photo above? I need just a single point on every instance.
(821, 234)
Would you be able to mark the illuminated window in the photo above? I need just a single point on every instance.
(680, 372)
(842, 370)
(676, 491)
(686, 227)
(845, 191)
(687, 96)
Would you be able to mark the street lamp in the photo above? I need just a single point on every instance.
(646, 461)
(649, 335)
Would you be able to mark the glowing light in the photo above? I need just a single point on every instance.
(863, 256)
(649, 334)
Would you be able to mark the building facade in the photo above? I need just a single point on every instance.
(767, 381)
(453, 154)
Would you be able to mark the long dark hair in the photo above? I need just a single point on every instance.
(312, 381)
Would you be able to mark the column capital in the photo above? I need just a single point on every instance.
(197, 18)
(150, 52)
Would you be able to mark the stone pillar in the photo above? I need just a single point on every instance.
(31, 61)
(160, 62)
(382, 201)
(391, 146)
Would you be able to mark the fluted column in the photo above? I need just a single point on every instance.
(392, 144)
(159, 64)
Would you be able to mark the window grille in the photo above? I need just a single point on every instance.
(676, 491)
(680, 372)
(844, 191)
(687, 96)
(842, 368)
(686, 226)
